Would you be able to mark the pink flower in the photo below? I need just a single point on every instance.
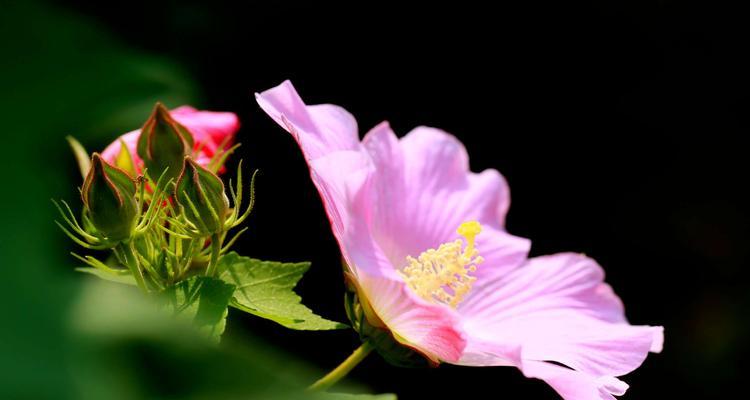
(395, 206)
(209, 129)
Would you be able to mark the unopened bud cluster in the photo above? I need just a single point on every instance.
(163, 225)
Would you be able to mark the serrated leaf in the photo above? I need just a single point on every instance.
(264, 289)
(202, 300)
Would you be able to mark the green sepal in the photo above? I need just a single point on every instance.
(109, 196)
(162, 265)
(163, 143)
(125, 279)
(124, 159)
(200, 194)
(82, 157)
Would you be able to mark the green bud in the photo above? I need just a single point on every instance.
(109, 196)
(163, 143)
(200, 193)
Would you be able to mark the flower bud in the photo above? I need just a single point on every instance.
(163, 143)
(109, 196)
(200, 193)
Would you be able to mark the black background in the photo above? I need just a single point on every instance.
(619, 126)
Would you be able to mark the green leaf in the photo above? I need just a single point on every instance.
(202, 300)
(264, 288)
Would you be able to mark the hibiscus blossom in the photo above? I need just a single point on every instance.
(210, 130)
(424, 243)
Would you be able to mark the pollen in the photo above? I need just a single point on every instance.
(443, 275)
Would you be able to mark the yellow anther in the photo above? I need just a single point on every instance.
(442, 275)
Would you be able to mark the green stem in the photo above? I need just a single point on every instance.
(215, 251)
(131, 261)
(339, 372)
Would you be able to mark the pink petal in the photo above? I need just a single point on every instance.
(574, 385)
(424, 190)
(502, 253)
(436, 161)
(588, 345)
(429, 328)
(481, 353)
(342, 179)
(565, 281)
(556, 308)
(319, 129)
(204, 125)
(390, 192)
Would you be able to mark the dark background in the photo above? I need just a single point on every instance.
(618, 125)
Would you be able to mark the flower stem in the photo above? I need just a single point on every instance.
(215, 251)
(131, 261)
(339, 372)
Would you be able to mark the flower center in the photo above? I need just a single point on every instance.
(442, 275)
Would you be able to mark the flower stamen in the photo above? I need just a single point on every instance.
(443, 275)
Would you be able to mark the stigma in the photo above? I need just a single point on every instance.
(443, 275)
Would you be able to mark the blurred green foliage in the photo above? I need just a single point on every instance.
(66, 335)
(59, 76)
